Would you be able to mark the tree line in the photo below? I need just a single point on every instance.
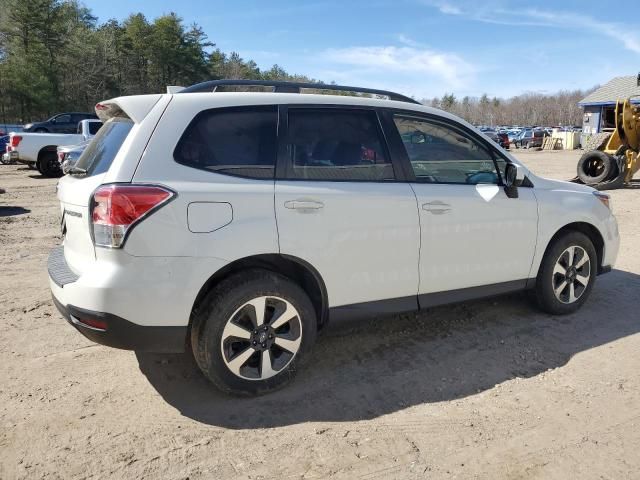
(558, 109)
(56, 57)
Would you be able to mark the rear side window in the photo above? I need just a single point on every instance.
(336, 145)
(239, 141)
(99, 155)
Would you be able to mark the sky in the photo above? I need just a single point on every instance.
(424, 48)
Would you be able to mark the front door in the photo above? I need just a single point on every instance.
(474, 238)
(341, 209)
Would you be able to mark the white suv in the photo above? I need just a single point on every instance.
(238, 224)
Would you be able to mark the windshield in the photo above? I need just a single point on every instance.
(105, 145)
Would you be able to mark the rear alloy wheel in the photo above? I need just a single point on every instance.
(567, 274)
(250, 333)
(261, 338)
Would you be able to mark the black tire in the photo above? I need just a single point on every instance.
(41, 130)
(48, 164)
(217, 309)
(595, 167)
(547, 279)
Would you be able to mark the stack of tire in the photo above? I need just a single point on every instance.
(600, 170)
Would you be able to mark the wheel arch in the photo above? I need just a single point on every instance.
(587, 229)
(294, 268)
(47, 149)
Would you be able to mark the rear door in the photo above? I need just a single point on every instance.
(473, 235)
(340, 206)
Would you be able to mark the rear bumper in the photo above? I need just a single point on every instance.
(10, 157)
(68, 291)
(120, 333)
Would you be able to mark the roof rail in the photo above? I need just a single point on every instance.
(292, 87)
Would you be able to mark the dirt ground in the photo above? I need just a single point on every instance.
(490, 389)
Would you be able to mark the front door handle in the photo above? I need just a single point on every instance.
(303, 205)
(436, 207)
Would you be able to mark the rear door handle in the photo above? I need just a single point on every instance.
(303, 205)
(436, 207)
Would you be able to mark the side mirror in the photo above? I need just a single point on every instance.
(513, 178)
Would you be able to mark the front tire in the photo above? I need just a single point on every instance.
(567, 274)
(251, 332)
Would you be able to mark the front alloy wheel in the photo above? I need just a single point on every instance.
(261, 338)
(567, 273)
(571, 274)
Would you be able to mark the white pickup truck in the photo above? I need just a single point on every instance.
(38, 150)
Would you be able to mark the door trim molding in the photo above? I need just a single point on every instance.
(393, 306)
(428, 300)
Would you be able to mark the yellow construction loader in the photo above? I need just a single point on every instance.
(614, 163)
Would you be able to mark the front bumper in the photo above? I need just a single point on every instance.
(106, 328)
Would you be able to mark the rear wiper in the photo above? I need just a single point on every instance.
(77, 171)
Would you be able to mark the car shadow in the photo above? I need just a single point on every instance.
(12, 211)
(362, 370)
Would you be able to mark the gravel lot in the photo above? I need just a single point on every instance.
(490, 389)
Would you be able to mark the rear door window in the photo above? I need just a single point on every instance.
(238, 141)
(104, 147)
(336, 145)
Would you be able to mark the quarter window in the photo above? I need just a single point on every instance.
(336, 145)
(239, 141)
(441, 154)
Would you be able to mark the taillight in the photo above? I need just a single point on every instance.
(60, 157)
(116, 208)
(15, 140)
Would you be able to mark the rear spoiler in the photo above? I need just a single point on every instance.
(134, 107)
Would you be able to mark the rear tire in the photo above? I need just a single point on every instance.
(567, 274)
(243, 352)
(48, 164)
(595, 167)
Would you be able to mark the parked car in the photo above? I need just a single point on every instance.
(503, 140)
(39, 150)
(61, 123)
(68, 155)
(513, 135)
(491, 134)
(241, 224)
(530, 138)
(4, 141)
